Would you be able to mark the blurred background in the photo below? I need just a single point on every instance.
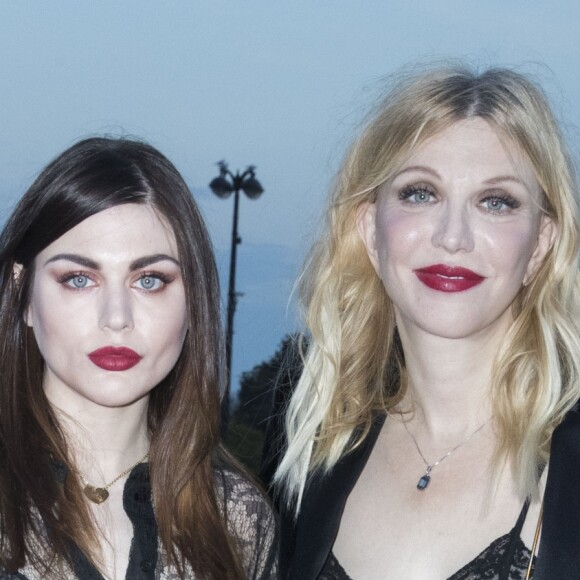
(279, 85)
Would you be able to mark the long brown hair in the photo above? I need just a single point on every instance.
(183, 415)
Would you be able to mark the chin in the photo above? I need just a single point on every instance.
(459, 327)
(117, 399)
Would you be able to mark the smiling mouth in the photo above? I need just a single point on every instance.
(444, 278)
(114, 358)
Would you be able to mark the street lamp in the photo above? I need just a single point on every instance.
(223, 186)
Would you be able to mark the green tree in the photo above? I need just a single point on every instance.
(256, 397)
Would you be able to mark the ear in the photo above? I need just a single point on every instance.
(546, 238)
(366, 224)
(28, 317)
(17, 274)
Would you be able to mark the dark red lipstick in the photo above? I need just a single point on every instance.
(114, 358)
(445, 278)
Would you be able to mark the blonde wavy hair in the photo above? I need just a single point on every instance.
(354, 366)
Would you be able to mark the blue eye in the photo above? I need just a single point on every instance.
(416, 195)
(153, 282)
(495, 204)
(78, 281)
(420, 197)
(149, 282)
(500, 203)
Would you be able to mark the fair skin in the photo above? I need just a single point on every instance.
(113, 280)
(463, 199)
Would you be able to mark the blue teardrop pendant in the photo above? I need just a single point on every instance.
(423, 482)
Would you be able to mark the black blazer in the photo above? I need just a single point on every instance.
(307, 542)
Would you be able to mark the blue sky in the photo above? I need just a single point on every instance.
(281, 85)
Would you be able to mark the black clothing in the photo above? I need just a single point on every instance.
(249, 516)
(305, 543)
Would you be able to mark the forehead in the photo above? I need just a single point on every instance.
(473, 143)
(120, 233)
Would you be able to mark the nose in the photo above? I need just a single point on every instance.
(453, 229)
(115, 309)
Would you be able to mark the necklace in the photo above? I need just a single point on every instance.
(425, 479)
(100, 494)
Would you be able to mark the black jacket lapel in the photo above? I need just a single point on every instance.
(322, 507)
(559, 555)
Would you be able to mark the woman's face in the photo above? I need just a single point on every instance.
(457, 231)
(108, 308)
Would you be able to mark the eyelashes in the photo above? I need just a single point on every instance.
(76, 280)
(148, 282)
(496, 202)
(499, 202)
(416, 194)
(153, 281)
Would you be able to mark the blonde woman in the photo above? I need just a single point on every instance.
(435, 412)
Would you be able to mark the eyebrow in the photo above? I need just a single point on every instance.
(502, 178)
(422, 168)
(134, 265)
(491, 181)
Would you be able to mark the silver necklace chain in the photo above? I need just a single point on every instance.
(425, 479)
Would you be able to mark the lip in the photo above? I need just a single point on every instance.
(114, 358)
(445, 278)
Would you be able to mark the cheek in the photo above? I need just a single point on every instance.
(398, 238)
(512, 247)
(179, 330)
(57, 333)
(47, 315)
(170, 344)
(170, 324)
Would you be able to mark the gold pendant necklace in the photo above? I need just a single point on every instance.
(100, 494)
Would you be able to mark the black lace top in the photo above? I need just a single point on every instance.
(250, 519)
(506, 558)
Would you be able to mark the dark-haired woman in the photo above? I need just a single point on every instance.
(110, 371)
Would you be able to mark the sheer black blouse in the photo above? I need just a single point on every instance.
(250, 519)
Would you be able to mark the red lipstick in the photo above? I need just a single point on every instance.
(114, 358)
(445, 278)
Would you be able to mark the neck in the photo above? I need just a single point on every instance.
(449, 383)
(105, 441)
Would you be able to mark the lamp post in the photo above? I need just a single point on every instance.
(223, 186)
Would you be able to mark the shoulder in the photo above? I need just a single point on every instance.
(566, 436)
(231, 482)
(251, 521)
(565, 443)
(559, 554)
(241, 499)
(571, 419)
